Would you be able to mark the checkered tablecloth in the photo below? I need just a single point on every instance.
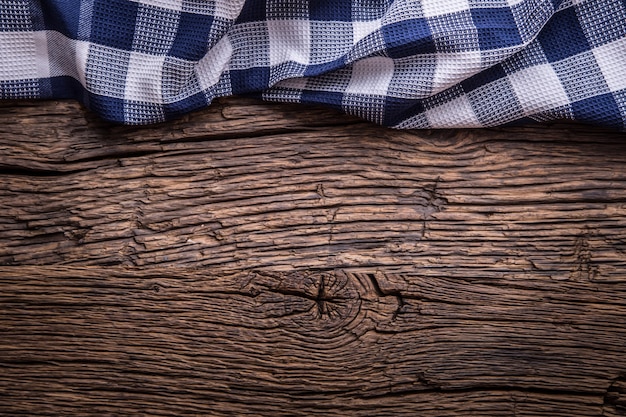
(400, 63)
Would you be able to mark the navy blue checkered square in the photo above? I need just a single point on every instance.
(113, 23)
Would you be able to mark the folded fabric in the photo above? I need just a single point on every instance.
(402, 63)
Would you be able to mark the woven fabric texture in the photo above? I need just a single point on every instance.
(400, 63)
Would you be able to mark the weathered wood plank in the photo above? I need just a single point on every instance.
(465, 203)
(46, 136)
(276, 260)
(84, 341)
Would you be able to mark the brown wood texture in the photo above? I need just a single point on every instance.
(270, 259)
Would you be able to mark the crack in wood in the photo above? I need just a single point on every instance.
(615, 398)
(584, 267)
(331, 229)
(428, 386)
(320, 191)
(434, 203)
(427, 382)
(397, 294)
(320, 299)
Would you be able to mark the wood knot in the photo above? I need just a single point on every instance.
(328, 299)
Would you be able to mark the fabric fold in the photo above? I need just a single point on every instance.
(404, 63)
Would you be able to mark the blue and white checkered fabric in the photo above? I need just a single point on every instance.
(400, 63)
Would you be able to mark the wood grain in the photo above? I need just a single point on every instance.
(269, 259)
(314, 343)
(451, 203)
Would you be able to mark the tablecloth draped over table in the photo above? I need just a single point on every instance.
(402, 63)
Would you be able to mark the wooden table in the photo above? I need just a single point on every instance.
(276, 260)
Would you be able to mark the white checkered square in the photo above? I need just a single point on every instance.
(456, 112)
(418, 121)
(163, 4)
(489, 58)
(439, 7)
(19, 56)
(538, 88)
(475, 4)
(144, 77)
(226, 9)
(290, 40)
(81, 59)
(45, 58)
(62, 53)
(361, 29)
(371, 76)
(453, 68)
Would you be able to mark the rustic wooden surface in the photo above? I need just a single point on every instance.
(269, 259)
